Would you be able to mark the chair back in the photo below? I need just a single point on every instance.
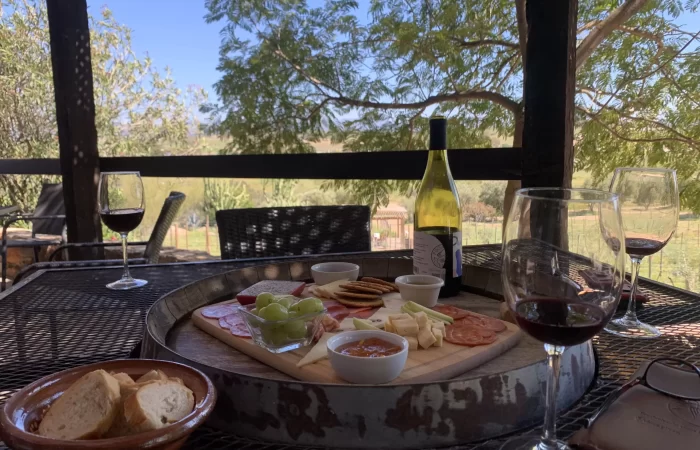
(302, 230)
(167, 215)
(50, 203)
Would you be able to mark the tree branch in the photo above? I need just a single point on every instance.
(483, 42)
(494, 97)
(605, 27)
(522, 27)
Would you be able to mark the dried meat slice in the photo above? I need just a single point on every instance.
(452, 311)
(486, 322)
(470, 336)
(219, 311)
(237, 325)
(362, 313)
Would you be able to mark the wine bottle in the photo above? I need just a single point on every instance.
(437, 237)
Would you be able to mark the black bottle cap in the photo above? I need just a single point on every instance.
(438, 133)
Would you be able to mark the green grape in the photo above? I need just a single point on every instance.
(274, 311)
(274, 335)
(255, 311)
(295, 329)
(309, 306)
(285, 300)
(263, 299)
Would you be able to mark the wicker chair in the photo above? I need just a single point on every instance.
(150, 255)
(303, 230)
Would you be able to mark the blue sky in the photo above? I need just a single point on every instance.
(175, 34)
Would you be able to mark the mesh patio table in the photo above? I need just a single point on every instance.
(58, 319)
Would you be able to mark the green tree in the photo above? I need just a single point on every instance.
(492, 195)
(293, 73)
(139, 110)
(224, 194)
(280, 193)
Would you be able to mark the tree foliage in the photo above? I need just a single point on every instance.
(139, 109)
(224, 194)
(369, 74)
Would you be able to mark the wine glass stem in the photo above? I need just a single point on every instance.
(631, 314)
(549, 430)
(126, 275)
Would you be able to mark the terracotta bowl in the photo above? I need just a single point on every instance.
(23, 411)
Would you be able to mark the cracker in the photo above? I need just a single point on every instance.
(361, 288)
(360, 303)
(378, 281)
(381, 287)
(356, 296)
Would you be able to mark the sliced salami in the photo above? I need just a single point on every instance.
(470, 336)
(219, 311)
(486, 322)
(224, 324)
(452, 311)
(236, 325)
(362, 313)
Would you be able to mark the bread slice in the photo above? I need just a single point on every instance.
(86, 410)
(158, 404)
(153, 375)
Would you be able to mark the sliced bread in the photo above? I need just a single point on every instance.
(86, 410)
(153, 375)
(158, 404)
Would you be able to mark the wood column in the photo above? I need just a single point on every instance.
(549, 93)
(75, 117)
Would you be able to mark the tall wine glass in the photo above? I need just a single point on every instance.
(649, 204)
(121, 204)
(562, 289)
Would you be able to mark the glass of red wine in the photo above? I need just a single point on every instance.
(121, 205)
(561, 289)
(649, 204)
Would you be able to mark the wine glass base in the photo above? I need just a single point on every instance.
(126, 283)
(532, 443)
(632, 329)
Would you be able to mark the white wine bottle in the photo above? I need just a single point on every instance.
(437, 237)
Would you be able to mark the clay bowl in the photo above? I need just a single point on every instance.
(23, 411)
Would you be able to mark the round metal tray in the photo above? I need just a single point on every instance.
(256, 401)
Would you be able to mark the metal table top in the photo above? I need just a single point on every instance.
(57, 319)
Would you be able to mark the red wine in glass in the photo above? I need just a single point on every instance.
(560, 321)
(643, 247)
(122, 220)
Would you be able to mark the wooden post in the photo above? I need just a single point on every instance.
(548, 95)
(75, 118)
(177, 236)
(206, 236)
(170, 232)
(187, 239)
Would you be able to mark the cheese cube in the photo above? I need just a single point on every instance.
(412, 343)
(401, 316)
(389, 327)
(438, 336)
(426, 338)
(405, 327)
(439, 325)
(422, 319)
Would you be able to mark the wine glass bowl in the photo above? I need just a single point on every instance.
(121, 207)
(649, 208)
(562, 276)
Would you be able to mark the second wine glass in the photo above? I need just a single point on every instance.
(121, 205)
(649, 205)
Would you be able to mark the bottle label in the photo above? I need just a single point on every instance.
(457, 254)
(428, 255)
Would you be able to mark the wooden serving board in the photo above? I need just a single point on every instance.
(423, 365)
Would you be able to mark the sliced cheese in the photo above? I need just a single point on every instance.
(439, 325)
(412, 343)
(401, 316)
(438, 336)
(426, 338)
(389, 327)
(317, 352)
(393, 300)
(327, 290)
(405, 327)
(422, 319)
(380, 317)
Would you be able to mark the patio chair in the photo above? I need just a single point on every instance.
(302, 230)
(48, 218)
(151, 253)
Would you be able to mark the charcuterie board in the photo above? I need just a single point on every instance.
(424, 365)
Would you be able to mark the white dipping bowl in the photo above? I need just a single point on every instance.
(329, 272)
(360, 370)
(422, 289)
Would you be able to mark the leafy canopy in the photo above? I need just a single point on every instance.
(369, 74)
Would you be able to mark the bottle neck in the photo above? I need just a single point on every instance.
(437, 160)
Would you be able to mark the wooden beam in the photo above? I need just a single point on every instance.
(550, 68)
(75, 116)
